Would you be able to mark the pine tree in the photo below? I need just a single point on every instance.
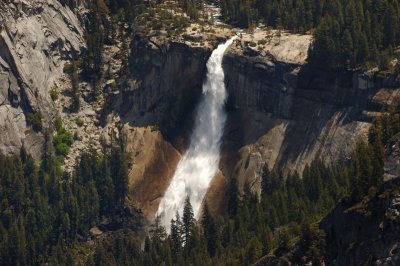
(119, 172)
(188, 225)
(176, 236)
(210, 231)
(157, 231)
(253, 250)
(105, 188)
(233, 200)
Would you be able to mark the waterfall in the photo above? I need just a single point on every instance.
(200, 162)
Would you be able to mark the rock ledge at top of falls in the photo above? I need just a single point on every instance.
(165, 71)
(36, 39)
(276, 45)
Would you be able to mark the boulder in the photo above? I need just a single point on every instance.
(95, 231)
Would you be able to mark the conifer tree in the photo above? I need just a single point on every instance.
(157, 231)
(176, 236)
(188, 225)
(233, 200)
(210, 231)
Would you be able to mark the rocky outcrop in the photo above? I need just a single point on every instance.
(392, 162)
(163, 87)
(165, 84)
(285, 115)
(366, 233)
(36, 39)
(280, 113)
(75, 3)
(157, 105)
(154, 161)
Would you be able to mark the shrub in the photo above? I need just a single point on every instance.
(62, 141)
(63, 136)
(157, 25)
(35, 120)
(76, 136)
(252, 44)
(57, 124)
(67, 68)
(62, 149)
(54, 93)
(79, 122)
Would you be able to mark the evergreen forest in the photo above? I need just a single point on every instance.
(46, 213)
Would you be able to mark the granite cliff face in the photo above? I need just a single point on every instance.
(165, 82)
(285, 114)
(366, 233)
(280, 112)
(156, 106)
(36, 39)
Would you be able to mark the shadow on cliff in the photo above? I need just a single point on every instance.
(163, 87)
(325, 109)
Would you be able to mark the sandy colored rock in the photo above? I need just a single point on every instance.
(216, 194)
(283, 46)
(155, 161)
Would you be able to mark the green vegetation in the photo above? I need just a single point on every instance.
(354, 33)
(242, 13)
(72, 71)
(43, 212)
(191, 8)
(348, 33)
(35, 120)
(284, 222)
(161, 19)
(54, 93)
(96, 32)
(62, 140)
(79, 122)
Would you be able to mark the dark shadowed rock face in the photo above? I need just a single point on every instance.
(392, 162)
(286, 115)
(75, 3)
(164, 85)
(156, 104)
(279, 113)
(367, 233)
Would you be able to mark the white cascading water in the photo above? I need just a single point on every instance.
(200, 163)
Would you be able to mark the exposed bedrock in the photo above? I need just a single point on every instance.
(280, 113)
(155, 105)
(36, 39)
(165, 83)
(285, 115)
(366, 233)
